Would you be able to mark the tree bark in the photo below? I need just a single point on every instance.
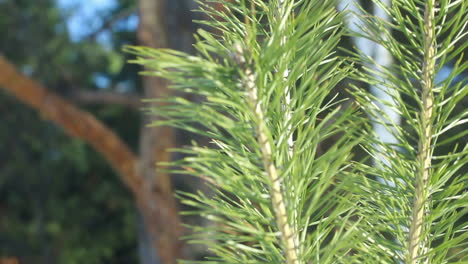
(155, 142)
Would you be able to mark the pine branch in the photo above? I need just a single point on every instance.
(270, 204)
(424, 210)
(277, 196)
(417, 245)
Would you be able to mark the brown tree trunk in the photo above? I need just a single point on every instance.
(154, 145)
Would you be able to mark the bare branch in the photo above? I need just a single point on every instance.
(130, 100)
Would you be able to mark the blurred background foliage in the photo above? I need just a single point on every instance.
(59, 200)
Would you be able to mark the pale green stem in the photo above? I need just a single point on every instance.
(287, 96)
(277, 196)
(416, 243)
(287, 100)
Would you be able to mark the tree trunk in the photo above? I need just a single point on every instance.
(154, 145)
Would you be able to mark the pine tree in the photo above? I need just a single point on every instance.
(280, 161)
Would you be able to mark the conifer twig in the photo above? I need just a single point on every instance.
(287, 95)
(277, 196)
(424, 158)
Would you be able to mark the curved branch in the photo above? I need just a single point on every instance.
(74, 121)
(93, 97)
